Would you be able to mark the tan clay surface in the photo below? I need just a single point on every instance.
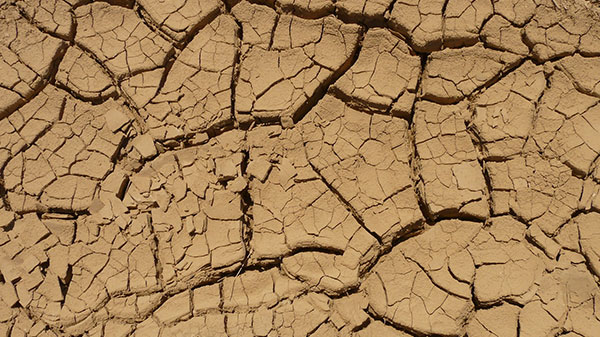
(359, 168)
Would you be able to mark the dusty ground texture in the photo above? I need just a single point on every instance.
(299, 168)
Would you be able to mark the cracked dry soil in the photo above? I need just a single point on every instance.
(299, 168)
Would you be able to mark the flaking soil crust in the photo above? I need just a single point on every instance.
(299, 168)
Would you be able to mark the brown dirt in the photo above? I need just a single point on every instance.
(299, 168)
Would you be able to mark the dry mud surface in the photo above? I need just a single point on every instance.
(299, 168)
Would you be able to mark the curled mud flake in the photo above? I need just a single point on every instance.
(196, 94)
(144, 146)
(180, 18)
(452, 74)
(119, 39)
(384, 78)
(590, 199)
(451, 178)
(305, 56)
(547, 244)
(83, 76)
(27, 59)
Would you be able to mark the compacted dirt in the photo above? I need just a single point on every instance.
(299, 168)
